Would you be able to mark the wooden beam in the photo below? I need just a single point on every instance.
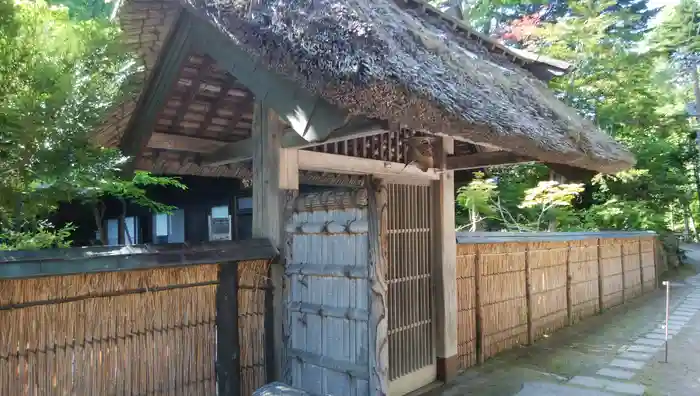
(165, 141)
(311, 116)
(243, 150)
(269, 199)
(323, 162)
(163, 78)
(572, 173)
(58, 262)
(485, 160)
(445, 259)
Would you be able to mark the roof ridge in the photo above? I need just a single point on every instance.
(518, 56)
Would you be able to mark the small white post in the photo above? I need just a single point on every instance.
(668, 293)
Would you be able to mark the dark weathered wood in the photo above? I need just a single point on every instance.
(164, 77)
(486, 159)
(186, 144)
(571, 173)
(311, 116)
(52, 262)
(243, 150)
(528, 296)
(228, 359)
(378, 265)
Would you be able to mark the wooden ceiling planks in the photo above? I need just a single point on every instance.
(206, 109)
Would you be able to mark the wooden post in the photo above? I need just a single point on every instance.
(379, 309)
(480, 335)
(569, 300)
(228, 367)
(271, 179)
(600, 279)
(624, 273)
(528, 296)
(445, 266)
(641, 268)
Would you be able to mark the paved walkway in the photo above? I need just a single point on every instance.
(618, 353)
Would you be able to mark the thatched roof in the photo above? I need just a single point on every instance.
(406, 62)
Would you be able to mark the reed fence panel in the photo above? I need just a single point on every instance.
(649, 266)
(631, 264)
(252, 293)
(503, 304)
(466, 305)
(583, 266)
(511, 293)
(611, 272)
(140, 332)
(548, 282)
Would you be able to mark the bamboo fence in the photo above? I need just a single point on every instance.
(513, 293)
(139, 332)
(253, 281)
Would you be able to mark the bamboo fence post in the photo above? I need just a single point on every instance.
(528, 296)
(641, 268)
(624, 273)
(656, 264)
(569, 308)
(480, 338)
(601, 293)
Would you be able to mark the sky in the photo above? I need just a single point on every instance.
(660, 3)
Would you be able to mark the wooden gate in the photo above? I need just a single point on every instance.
(328, 296)
(411, 332)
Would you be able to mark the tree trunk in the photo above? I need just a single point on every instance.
(696, 164)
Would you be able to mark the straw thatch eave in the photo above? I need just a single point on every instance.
(386, 60)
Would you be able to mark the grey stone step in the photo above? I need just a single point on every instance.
(549, 389)
(615, 387)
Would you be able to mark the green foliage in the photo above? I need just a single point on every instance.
(521, 209)
(60, 73)
(475, 201)
(630, 93)
(44, 236)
